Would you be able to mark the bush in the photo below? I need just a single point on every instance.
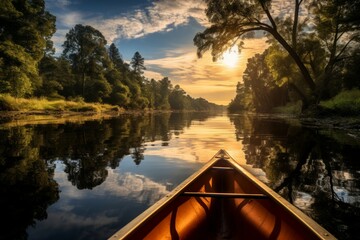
(8, 103)
(345, 103)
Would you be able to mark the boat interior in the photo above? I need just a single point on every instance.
(222, 203)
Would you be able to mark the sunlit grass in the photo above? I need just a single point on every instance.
(9, 103)
(345, 103)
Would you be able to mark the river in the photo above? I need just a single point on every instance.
(87, 179)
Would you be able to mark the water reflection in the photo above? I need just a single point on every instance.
(27, 187)
(86, 180)
(313, 170)
(87, 154)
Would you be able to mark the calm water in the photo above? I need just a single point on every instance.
(85, 180)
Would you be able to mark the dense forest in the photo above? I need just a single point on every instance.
(312, 57)
(88, 69)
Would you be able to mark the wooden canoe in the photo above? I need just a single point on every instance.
(222, 201)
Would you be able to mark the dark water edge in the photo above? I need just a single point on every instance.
(86, 179)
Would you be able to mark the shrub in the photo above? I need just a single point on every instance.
(8, 103)
(345, 103)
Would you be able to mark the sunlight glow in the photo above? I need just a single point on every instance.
(231, 57)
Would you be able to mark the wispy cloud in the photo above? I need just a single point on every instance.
(70, 19)
(194, 75)
(162, 15)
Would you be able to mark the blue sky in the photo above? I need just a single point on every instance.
(162, 31)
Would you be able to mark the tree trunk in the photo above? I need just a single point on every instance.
(304, 71)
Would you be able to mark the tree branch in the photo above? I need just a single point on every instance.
(266, 10)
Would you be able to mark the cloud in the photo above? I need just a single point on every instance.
(202, 77)
(70, 19)
(162, 15)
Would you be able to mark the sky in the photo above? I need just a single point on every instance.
(162, 31)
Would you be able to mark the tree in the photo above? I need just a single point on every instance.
(115, 56)
(51, 77)
(120, 94)
(233, 21)
(337, 25)
(164, 90)
(137, 63)
(85, 49)
(242, 100)
(25, 32)
(177, 98)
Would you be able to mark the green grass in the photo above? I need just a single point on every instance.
(345, 103)
(293, 108)
(9, 103)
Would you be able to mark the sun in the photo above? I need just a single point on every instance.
(231, 57)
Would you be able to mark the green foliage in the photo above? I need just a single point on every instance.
(9, 103)
(164, 90)
(115, 56)
(85, 49)
(87, 70)
(345, 103)
(26, 29)
(308, 58)
(17, 70)
(243, 100)
(177, 99)
(137, 63)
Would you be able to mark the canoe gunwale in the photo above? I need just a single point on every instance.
(127, 229)
(306, 220)
(265, 195)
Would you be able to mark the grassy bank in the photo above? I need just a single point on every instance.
(346, 103)
(9, 103)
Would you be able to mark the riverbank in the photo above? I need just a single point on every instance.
(19, 118)
(44, 111)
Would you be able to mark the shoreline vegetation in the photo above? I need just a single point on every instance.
(39, 110)
(21, 111)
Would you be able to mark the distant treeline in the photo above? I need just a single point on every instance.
(87, 70)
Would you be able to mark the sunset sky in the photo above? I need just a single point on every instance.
(162, 31)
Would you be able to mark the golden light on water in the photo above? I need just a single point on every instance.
(231, 57)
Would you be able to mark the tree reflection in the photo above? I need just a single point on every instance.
(314, 170)
(27, 187)
(28, 155)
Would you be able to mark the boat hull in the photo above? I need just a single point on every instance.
(222, 201)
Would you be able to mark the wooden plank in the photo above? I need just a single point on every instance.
(224, 195)
(222, 168)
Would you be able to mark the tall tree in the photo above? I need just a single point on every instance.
(338, 28)
(164, 90)
(232, 20)
(85, 49)
(25, 32)
(115, 56)
(137, 63)
(242, 100)
(177, 98)
(336, 23)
